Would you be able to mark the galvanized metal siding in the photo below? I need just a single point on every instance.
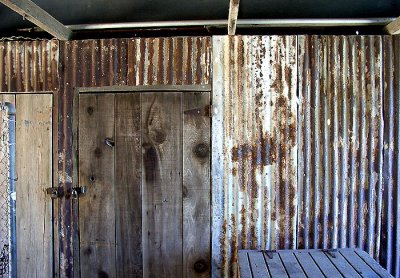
(254, 141)
(390, 253)
(340, 142)
(29, 66)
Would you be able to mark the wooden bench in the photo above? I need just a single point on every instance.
(309, 263)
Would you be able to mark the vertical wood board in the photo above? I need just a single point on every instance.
(34, 172)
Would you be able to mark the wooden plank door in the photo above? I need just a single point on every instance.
(34, 174)
(146, 164)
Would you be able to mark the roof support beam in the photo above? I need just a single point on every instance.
(393, 28)
(233, 16)
(39, 17)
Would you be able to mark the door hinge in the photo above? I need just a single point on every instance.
(55, 192)
(200, 111)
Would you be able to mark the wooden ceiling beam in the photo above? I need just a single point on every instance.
(39, 17)
(233, 16)
(393, 28)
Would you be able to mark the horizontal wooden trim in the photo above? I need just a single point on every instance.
(152, 88)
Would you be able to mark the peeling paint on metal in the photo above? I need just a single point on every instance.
(254, 147)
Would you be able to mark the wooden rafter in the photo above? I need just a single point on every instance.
(393, 28)
(233, 15)
(39, 17)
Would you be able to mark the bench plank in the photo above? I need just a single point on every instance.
(357, 263)
(373, 264)
(310, 268)
(244, 265)
(292, 265)
(275, 265)
(325, 264)
(258, 265)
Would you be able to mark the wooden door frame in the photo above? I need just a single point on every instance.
(75, 122)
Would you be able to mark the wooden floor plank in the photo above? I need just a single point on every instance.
(357, 263)
(258, 265)
(96, 172)
(275, 266)
(34, 171)
(326, 266)
(373, 264)
(162, 184)
(128, 197)
(196, 187)
(310, 268)
(244, 264)
(342, 265)
(292, 265)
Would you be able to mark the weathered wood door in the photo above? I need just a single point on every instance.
(145, 161)
(34, 209)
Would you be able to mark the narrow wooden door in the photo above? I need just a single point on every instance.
(145, 161)
(34, 209)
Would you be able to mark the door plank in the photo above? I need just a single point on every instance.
(128, 197)
(162, 184)
(196, 187)
(34, 172)
(96, 172)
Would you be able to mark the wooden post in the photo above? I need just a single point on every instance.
(393, 28)
(39, 17)
(233, 15)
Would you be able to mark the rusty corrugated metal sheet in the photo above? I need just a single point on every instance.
(117, 62)
(29, 66)
(340, 142)
(254, 126)
(391, 170)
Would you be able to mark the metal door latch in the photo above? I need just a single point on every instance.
(78, 192)
(55, 192)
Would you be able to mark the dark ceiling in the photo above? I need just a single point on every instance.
(114, 11)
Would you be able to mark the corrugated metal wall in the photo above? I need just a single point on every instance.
(320, 108)
(390, 255)
(254, 137)
(29, 66)
(330, 136)
(340, 142)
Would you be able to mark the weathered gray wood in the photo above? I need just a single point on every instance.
(96, 172)
(34, 172)
(326, 266)
(196, 188)
(162, 184)
(342, 265)
(39, 17)
(307, 263)
(275, 265)
(393, 28)
(372, 263)
(244, 264)
(147, 88)
(258, 265)
(233, 16)
(128, 198)
(357, 263)
(291, 264)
